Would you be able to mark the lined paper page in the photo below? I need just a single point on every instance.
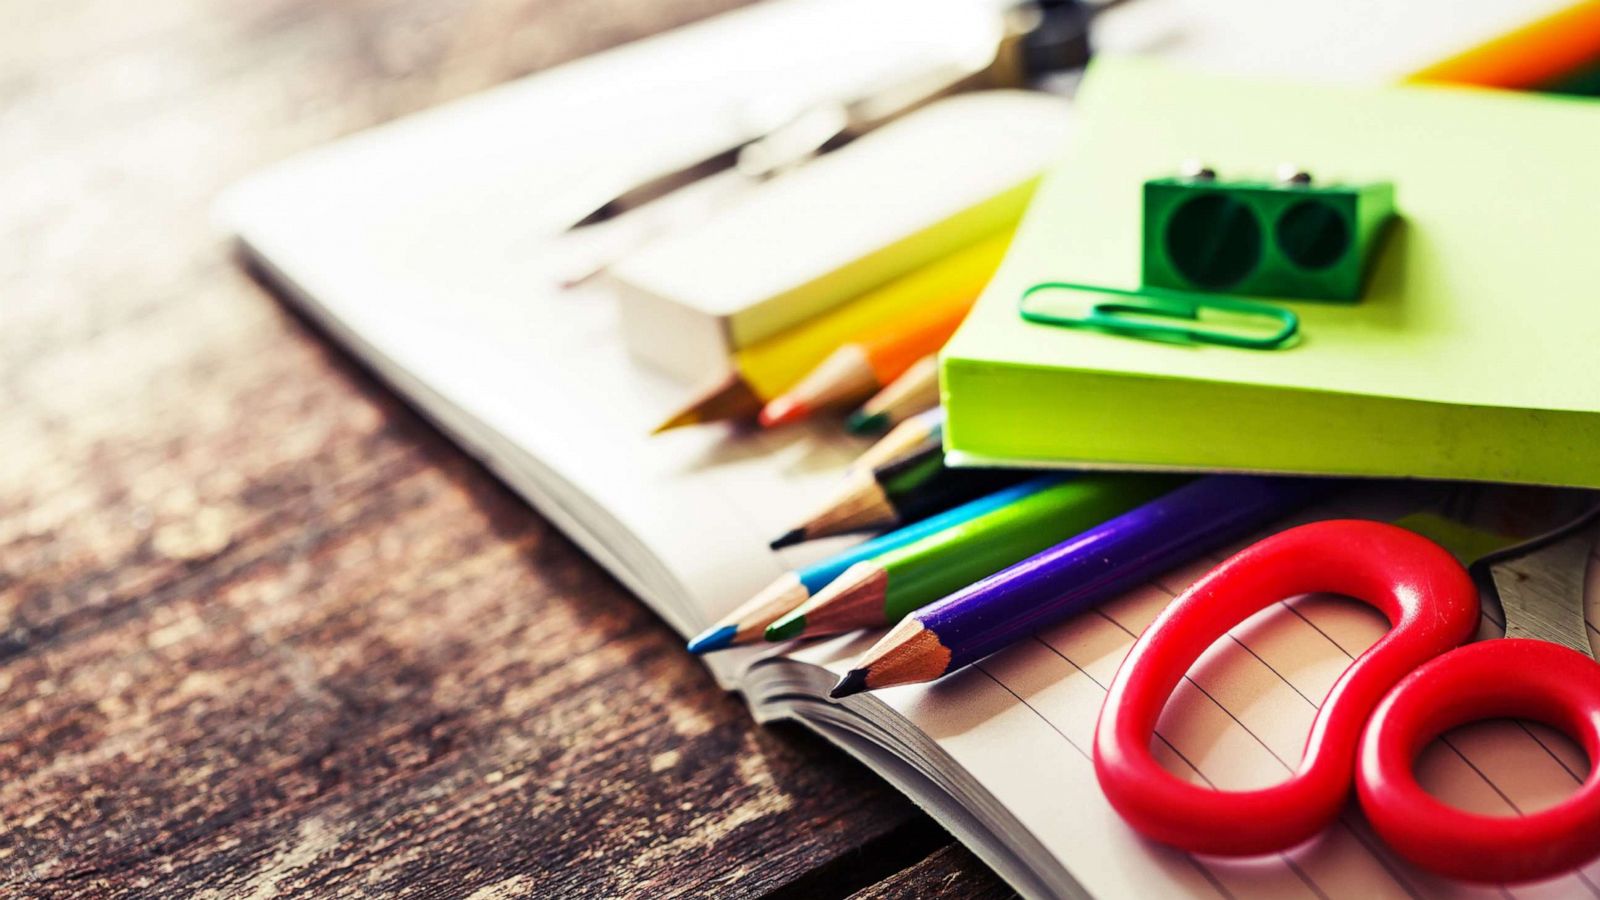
(1022, 722)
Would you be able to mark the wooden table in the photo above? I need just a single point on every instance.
(263, 631)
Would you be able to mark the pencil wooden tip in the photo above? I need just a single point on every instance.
(787, 627)
(853, 682)
(867, 423)
(748, 623)
(789, 539)
(782, 411)
(713, 639)
(679, 419)
(908, 654)
(730, 398)
(860, 505)
(853, 600)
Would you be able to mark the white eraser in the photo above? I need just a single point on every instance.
(894, 200)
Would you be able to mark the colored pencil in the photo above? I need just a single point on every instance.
(730, 399)
(860, 369)
(769, 367)
(1529, 57)
(911, 393)
(1097, 565)
(903, 490)
(746, 624)
(884, 590)
(922, 429)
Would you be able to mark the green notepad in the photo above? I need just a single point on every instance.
(1475, 353)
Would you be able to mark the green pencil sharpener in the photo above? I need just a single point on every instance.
(1289, 238)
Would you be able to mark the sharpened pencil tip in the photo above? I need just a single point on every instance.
(782, 411)
(789, 539)
(867, 423)
(785, 628)
(681, 420)
(853, 682)
(730, 399)
(714, 639)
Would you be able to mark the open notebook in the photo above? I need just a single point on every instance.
(426, 248)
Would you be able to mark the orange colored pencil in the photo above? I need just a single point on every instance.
(1528, 57)
(859, 369)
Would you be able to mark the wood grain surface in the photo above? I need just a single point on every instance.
(262, 631)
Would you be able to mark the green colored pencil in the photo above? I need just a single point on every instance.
(884, 590)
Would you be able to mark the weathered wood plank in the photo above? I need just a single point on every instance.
(949, 872)
(261, 630)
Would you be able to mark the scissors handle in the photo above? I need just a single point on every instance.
(1431, 604)
(1513, 677)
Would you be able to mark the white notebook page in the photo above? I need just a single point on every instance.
(430, 247)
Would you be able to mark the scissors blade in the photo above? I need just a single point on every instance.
(1541, 586)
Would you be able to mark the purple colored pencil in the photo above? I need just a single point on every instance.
(1077, 574)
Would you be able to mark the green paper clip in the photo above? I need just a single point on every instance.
(1128, 317)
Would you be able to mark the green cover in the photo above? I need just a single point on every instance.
(1472, 355)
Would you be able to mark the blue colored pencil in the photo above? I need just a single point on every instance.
(748, 623)
(1072, 576)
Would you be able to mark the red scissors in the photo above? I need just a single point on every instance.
(1415, 683)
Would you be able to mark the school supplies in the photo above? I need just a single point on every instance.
(915, 391)
(1542, 54)
(922, 430)
(1414, 685)
(852, 220)
(905, 489)
(860, 369)
(1290, 237)
(1160, 314)
(425, 248)
(767, 368)
(1205, 239)
(746, 623)
(1102, 562)
(885, 589)
(1430, 376)
(1039, 39)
